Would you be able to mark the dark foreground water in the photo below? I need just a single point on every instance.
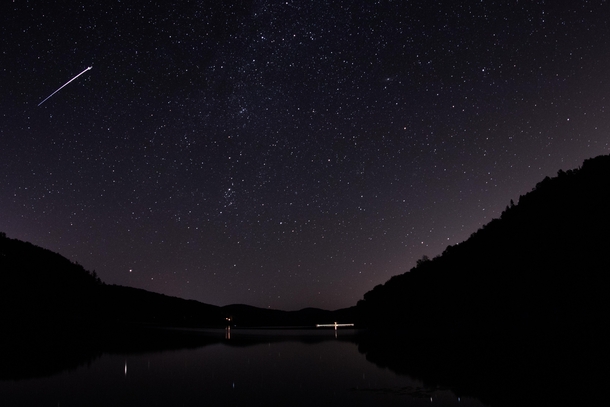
(251, 368)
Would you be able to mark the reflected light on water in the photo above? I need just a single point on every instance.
(270, 371)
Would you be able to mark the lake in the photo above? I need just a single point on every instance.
(238, 368)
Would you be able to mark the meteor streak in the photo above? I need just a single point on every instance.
(64, 85)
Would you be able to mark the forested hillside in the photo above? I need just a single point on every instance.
(541, 269)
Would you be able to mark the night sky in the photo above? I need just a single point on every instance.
(286, 154)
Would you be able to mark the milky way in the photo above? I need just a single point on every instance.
(287, 154)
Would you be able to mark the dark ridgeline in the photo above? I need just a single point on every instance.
(519, 311)
(42, 289)
(46, 305)
(56, 315)
(542, 268)
(248, 316)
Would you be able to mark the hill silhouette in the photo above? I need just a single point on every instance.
(56, 315)
(542, 267)
(517, 313)
(38, 286)
(42, 289)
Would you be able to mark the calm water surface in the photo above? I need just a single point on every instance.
(290, 372)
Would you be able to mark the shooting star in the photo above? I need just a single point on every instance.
(64, 85)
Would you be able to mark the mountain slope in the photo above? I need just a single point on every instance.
(39, 288)
(541, 269)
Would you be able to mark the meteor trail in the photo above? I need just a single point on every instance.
(64, 85)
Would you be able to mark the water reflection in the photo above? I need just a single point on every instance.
(239, 367)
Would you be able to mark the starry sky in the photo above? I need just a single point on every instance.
(286, 154)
